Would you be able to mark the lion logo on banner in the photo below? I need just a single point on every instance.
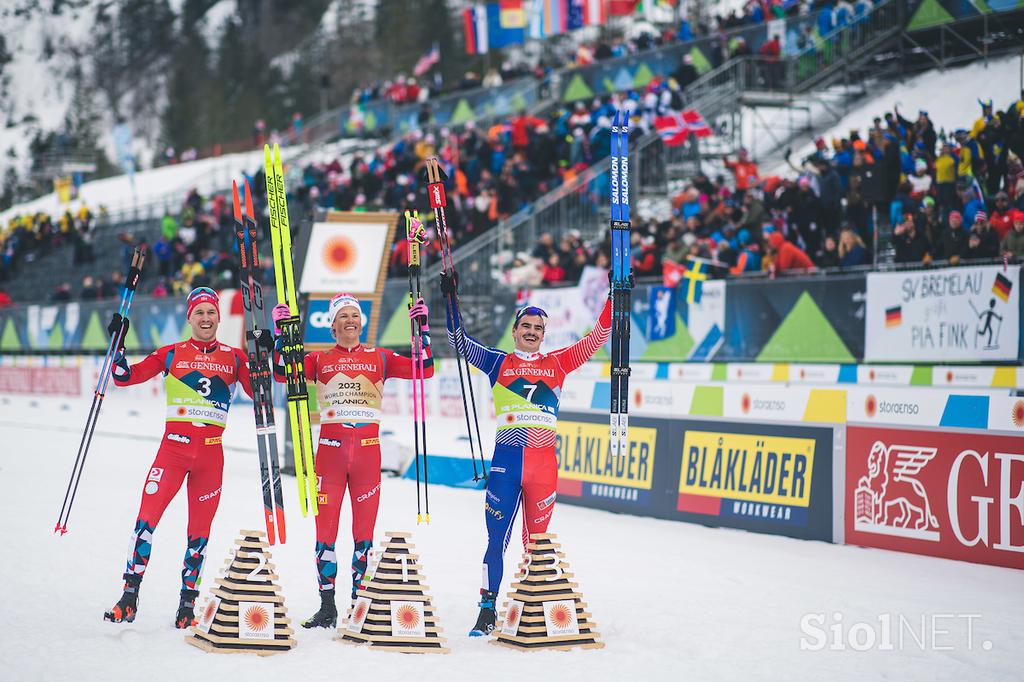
(890, 499)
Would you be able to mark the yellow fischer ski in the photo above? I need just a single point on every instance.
(292, 350)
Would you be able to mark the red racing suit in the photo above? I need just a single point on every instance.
(199, 380)
(349, 388)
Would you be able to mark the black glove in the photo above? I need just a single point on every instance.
(449, 283)
(265, 340)
(118, 328)
(631, 279)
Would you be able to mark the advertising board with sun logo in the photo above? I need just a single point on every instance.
(347, 253)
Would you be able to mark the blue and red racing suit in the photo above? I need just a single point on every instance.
(524, 471)
(199, 380)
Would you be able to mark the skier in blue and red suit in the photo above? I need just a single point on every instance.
(199, 378)
(526, 385)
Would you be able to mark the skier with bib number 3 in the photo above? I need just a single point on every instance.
(349, 387)
(526, 385)
(199, 378)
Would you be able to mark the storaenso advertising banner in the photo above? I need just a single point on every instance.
(767, 478)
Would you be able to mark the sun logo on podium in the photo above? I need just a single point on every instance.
(560, 616)
(339, 254)
(360, 612)
(513, 614)
(209, 611)
(1018, 414)
(408, 616)
(257, 618)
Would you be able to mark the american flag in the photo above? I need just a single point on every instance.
(427, 61)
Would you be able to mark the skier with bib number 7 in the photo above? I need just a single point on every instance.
(199, 378)
(526, 385)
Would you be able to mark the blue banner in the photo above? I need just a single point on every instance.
(318, 323)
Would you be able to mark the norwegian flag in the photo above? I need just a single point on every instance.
(676, 127)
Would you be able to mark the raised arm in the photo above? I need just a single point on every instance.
(486, 359)
(572, 357)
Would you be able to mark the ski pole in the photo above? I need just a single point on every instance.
(127, 295)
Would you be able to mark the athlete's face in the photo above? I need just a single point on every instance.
(529, 333)
(347, 326)
(204, 321)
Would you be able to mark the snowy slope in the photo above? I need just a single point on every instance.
(672, 601)
(950, 97)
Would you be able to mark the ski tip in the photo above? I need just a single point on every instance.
(237, 204)
(249, 213)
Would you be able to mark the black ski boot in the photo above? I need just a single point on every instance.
(327, 616)
(124, 610)
(186, 609)
(485, 621)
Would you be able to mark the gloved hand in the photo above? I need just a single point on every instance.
(118, 328)
(418, 312)
(279, 313)
(449, 283)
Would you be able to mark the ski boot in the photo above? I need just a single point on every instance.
(485, 621)
(186, 609)
(327, 616)
(124, 610)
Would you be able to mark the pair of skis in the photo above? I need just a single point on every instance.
(621, 285)
(127, 294)
(417, 236)
(438, 201)
(292, 350)
(259, 345)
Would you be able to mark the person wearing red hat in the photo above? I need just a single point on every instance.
(199, 377)
(1013, 242)
(349, 388)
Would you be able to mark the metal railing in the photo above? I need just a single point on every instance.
(826, 57)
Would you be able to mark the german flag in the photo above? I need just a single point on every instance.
(894, 316)
(1002, 287)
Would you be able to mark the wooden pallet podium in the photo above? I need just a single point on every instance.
(393, 611)
(245, 613)
(544, 609)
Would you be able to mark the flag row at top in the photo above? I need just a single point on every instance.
(495, 25)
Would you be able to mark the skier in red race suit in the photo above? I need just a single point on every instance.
(526, 385)
(349, 386)
(199, 378)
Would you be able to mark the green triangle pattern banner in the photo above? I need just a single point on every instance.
(10, 340)
(805, 335)
(577, 90)
(931, 13)
(95, 336)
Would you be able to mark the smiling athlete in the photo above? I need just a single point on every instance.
(349, 387)
(199, 378)
(526, 385)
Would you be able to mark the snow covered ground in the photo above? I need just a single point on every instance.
(671, 600)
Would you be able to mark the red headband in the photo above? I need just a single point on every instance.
(202, 295)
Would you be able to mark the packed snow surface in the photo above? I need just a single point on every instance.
(671, 600)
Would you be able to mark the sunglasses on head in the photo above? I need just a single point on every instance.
(202, 290)
(529, 310)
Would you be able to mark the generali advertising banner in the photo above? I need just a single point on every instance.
(949, 494)
(968, 314)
